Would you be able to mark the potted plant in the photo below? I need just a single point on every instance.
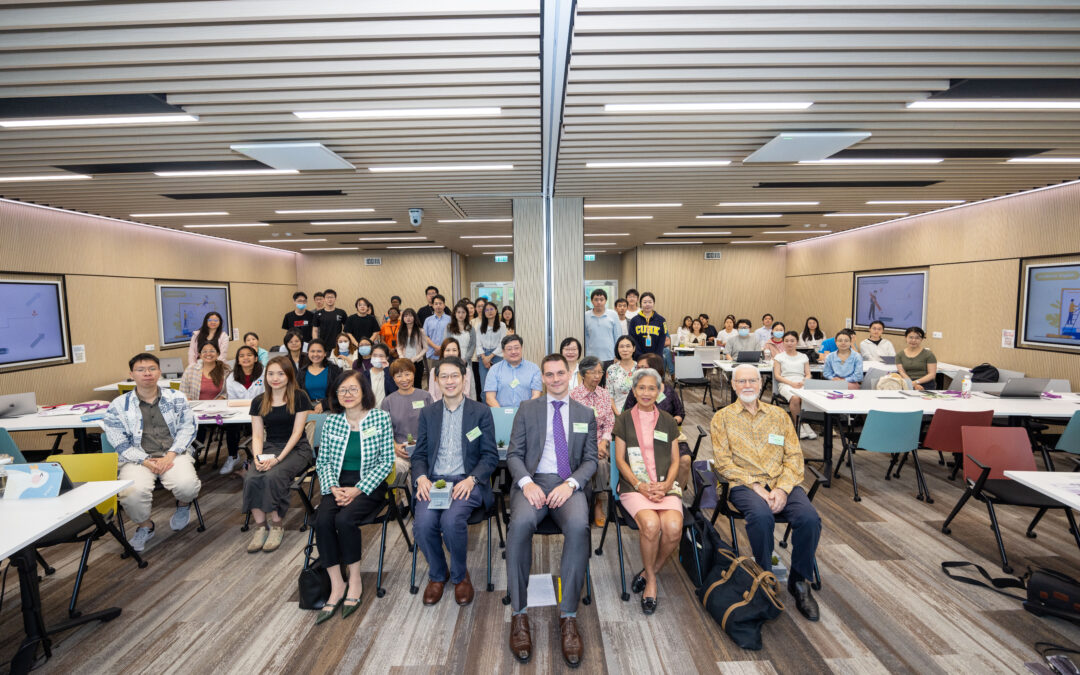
(410, 445)
(440, 495)
(502, 449)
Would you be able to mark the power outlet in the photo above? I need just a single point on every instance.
(847, 322)
(936, 335)
(148, 348)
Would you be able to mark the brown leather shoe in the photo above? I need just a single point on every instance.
(433, 592)
(520, 638)
(571, 641)
(463, 592)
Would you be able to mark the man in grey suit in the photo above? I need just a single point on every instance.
(552, 457)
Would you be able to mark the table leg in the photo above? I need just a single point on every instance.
(80, 439)
(826, 447)
(33, 622)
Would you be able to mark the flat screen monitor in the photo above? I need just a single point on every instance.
(898, 300)
(181, 308)
(1050, 307)
(33, 324)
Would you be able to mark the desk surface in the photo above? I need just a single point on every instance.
(1064, 487)
(27, 520)
(115, 386)
(863, 402)
(239, 415)
(728, 366)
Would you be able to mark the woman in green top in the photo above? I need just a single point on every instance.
(356, 454)
(915, 362)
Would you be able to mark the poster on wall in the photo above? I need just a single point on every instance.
(1050, 315)
(897, 300)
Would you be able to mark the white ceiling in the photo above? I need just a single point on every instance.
(245, 66)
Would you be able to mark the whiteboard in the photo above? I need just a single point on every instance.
(181, 308)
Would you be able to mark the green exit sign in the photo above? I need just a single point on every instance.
(502, 258)
(590, 257)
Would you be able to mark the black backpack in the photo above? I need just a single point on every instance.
(984, 372)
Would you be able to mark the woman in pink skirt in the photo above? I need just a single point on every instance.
(647, 455)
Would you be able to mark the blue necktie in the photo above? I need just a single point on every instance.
(562, 451)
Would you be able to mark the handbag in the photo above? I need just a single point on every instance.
(314, 584)
(1047, 591)
(741, 597)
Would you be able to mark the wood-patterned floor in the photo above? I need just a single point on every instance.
(206, 606)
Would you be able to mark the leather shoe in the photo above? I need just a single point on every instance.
(520, 638)
(804, 601)
(434, 590)
(648, 606)
(571, 641)
(463, 591)
(638, 584)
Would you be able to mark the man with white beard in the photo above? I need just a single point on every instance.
(757, 451)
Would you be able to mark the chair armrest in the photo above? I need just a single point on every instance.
(697, 444)
(984, 473)
(819, 480)
(1076, 461)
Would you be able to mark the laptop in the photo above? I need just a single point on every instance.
(172, 367)
(1025, 387)
(14, 405)
(34, 481)
(748, 356)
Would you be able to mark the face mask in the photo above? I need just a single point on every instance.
(779, 335)
(301, 306)
(365, 350)
(378, 362)
(743, 332)
(343, 348)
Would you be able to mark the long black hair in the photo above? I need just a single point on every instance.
(411, 336)
(204, 330)
(817, 334)
(256, 368)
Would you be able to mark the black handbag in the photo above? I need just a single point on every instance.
(1048, 591)
(314, 586)
(741, 597)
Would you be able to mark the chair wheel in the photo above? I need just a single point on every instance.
(143, 564)
(380, 593)
(201, 528)
(303, 528)
(929, 500)
(414, 590)
(490, 587)
(816, 585)
(504, 555)
(74, 615)
(587, 600)
(124, 555)
(599, 551)
(52, 570)
(858, 498)
(946, 530)
(783, 544)
(625, 597)
(1031, 535)
(244, 528)
(1007, 569)
(506, 600)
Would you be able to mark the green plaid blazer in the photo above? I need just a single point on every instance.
(377, 450)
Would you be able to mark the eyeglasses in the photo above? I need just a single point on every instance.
(350, 391)
(745, 382)
(143, 371)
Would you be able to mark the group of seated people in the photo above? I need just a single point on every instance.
(576, 411)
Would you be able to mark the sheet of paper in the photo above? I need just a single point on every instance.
(542, 590)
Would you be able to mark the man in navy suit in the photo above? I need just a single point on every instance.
(455, 442)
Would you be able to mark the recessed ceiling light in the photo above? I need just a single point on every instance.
(971, 104)
(355, 222)
(400, 112)
(743, 215)
(798, 232)
(169, 118)
(477, 220)
(718, 106)
(883, 160)
(497, 253)
(768, 203)
(917, 201)
(671, 243)
(288, 241)
(657, 164)
(488, 236)
(338, 248)
(594, 252)
(862, 215)
(631, 206)
(1043, 160)
(446, 167)
(618, 217)
(414, 247)
(172, 215)
(761, 241)
(290, 211)
(196, 227)
(696, 234)
(30, 179)
(609, 234)
(602, 243)
(420, 238)
(489, 245)
(227, 172)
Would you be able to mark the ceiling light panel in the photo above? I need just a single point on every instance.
(632, 206)
(768, 203)
(799, 146)
(397, 113)
(190, 214)
(43, 178)
(718, 106)
(442, 168)
(658, 164)
(300, 156)
(296, 211)
(226, 172)
(108, 120)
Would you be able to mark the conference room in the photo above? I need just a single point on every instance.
(825, 255)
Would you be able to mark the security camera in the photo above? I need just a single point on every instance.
(415, 216)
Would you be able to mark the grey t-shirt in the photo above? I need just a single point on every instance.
(403, 415)
(738, 344)
(156, 438)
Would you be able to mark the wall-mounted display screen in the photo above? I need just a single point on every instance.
(1050, 305)
(181, 308)
(33, 324)
(898, 300)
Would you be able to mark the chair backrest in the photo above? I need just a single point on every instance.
(175, 386)
(891, 431)
(944, 432)
(8, 447)
(688, 367)
(106, 446)
(1006, 375)
(91, 466)
(1070, 438)
(1000, 448)
(504, 424)
(1059, 386)
(708, 354)
(314, 428)
(125, 388)
(820, 385)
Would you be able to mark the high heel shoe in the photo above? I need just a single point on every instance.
(326, 614)
(346, 610)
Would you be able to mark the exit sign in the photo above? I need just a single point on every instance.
(590, 257)
(502, 258)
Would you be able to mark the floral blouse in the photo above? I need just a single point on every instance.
(618, 384)
(600, 401)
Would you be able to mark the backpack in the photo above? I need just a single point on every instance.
(984, 372)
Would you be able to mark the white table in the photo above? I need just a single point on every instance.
(1064, 487)
(115, 386)
(25, 522)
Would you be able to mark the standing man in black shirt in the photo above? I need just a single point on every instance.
(330, 320)
(427, 310)
(299, 320)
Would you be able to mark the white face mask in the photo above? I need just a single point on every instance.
(343, 348)
(378, 362)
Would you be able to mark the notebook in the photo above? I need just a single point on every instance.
(34, 481)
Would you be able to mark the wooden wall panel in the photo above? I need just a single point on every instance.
(484, 268)
(627, 272)
(606, 266)
(814, 296)
(569, 271)
(748, 281)
(528, 263)
(403, 273)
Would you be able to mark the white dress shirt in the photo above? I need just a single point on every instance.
(548, 462)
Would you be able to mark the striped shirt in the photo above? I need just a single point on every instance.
(759, 448)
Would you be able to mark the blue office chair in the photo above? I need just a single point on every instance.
(888, 432)
(8, 447)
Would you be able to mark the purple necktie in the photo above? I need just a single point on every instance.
(562, 452)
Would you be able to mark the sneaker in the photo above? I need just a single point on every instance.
(258, 538)
(180, 519)
(228, 466)
(141, 536)
(806, 432)
(273, 538)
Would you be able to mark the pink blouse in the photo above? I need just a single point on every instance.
(600, 401)
(645, 425)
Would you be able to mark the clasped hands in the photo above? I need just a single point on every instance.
(267, 465)
(345, 495)
(159, 465)
(654, 491)
(462, 489)
(776, 499)
(534, 494)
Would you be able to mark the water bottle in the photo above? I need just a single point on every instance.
(965, 385)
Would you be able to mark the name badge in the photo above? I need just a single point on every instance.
(581, 427)
(648, 341)
(514, 383)
(660, 436)
(473, 434)
(368, 433)
(509, 411)
(418, 405)
(776, 439)
(661, 397)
